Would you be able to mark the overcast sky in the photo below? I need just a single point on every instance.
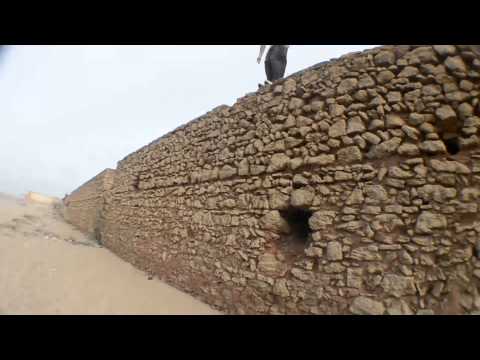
(69, 112)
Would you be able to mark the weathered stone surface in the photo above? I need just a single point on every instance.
(433, 147)
(399, 307)
(445, 113)
(334, 251)
(385, 148)
(385, 76)
(393, 121)
(449, 166)
(275, 222)
(355, 125)
(445, 50)
(278, 162)
(385, 58)
(365, 306)
(355, 278)
(339, 128)
(375, 194)
(227, 172)
(437, 193)
(456, 64)
(427, 222)
(356, 197)
(349, 155)
(366, 253)
(321, 160)
(398, 286)
(347, 86)
(336, 110)
(408, 150)
(302, 198)
(321, 219)
(280, 288)
(269, 265)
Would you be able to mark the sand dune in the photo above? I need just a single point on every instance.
(48, 267)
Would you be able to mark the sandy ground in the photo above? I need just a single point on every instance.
(48, 267)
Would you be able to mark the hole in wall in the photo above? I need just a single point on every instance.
(448, 132)
(136, 183)
(452, 145)
(300, 234)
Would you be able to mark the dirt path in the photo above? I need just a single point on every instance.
(48, 267)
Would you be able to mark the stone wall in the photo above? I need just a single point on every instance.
(351, 187)
(84, 206)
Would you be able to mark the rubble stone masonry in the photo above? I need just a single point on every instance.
(84, 206)
(351, 187)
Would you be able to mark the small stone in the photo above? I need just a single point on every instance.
(431, 90)
(321, 219)
(394, 97)
(375, 194)
(408, 71)
(376, 124)
(425, 312)
(399, 307)
(394, 121)
(269, 265)
(445, 113)
(321, 160)
(445, 50)
(303, 121)
(280, 288)
(355, 125)
(366, 81)
(398, 286)
(416, 119)
(455, 64)
(465, 110)
(278, 162)
(338, 129)
(385, 58)
(450, 166)
(385, 76)
(347, 86)
(427, 222)
(365, 306)
(336, 110)
(295, 103)
(334, 251)
(243, 168)
(302, 198)
(275, 222)
(226, 172)
(355, 198)
(411, 132)
(350, 155)
(385, 148)
(433, 147)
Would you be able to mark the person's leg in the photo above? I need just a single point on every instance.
(269, 69)
(278, 69)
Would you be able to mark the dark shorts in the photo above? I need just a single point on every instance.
(276, 62)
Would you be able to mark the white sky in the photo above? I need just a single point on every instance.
(69, 112)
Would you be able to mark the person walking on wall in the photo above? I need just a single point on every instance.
(275, 62)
